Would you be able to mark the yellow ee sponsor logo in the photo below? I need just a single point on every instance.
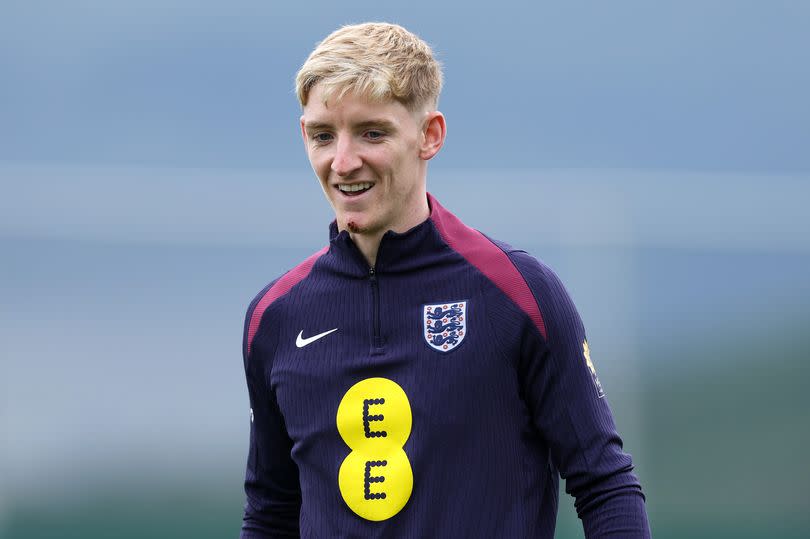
(374, 419)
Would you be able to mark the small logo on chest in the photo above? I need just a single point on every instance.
(301, 342)
(444, 325)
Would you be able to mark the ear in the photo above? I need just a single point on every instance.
(433, 134)
(303, 131)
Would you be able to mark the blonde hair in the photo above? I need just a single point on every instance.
(379, 61)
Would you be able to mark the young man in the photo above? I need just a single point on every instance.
(416, 378)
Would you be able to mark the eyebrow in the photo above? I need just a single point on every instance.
(379, 123)
(309, 126)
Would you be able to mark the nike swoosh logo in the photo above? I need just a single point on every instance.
(301, 342)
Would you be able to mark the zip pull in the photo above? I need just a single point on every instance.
(371, 272)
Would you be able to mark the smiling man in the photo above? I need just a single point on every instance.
(415, 378)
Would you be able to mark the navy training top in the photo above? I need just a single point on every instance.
(438, 394)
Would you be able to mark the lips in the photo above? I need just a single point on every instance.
(354, 189)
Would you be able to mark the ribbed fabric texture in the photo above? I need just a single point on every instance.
(493, 419)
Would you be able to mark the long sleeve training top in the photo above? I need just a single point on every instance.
(441, 393)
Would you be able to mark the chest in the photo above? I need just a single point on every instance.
(434, 338)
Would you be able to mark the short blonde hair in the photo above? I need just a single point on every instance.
(379, 61)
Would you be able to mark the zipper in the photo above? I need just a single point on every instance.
(376, 341)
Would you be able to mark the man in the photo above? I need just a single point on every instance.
(416, 378)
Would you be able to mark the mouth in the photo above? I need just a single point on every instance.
(354, 189)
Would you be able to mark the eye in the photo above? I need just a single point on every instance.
(374, 135)
(322, 137)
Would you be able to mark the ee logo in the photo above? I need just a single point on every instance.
(374, 419)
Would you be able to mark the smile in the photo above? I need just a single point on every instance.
(355, 189)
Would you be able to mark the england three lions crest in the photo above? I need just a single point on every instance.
(445, 325)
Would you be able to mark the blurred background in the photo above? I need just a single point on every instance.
(152, 180)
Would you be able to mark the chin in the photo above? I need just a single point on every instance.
(354, 227)
(355, 222)
(358, 223)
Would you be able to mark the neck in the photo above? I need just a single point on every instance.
(369, 245)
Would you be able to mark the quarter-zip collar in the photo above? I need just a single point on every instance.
(403, 252)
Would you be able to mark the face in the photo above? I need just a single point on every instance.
(370, 159)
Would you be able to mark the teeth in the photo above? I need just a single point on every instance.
(354, 188)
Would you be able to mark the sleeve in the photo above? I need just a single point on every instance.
(271, 480)
(569, 409)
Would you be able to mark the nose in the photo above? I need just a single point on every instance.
(346, 160)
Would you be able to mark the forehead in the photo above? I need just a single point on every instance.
(352, 108)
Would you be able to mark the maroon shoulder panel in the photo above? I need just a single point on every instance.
(282, 286)
(490, 260)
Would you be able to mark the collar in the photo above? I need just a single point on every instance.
(407, 251)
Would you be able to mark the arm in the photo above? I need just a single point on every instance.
(271, 480)
(569, 409)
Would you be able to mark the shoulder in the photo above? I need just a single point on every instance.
(271, 293)
(499, 263)
(557, 309)
(542, 280)
(543, 287)
(529, 282)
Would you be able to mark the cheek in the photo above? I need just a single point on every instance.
(321, 165)
(388, 162)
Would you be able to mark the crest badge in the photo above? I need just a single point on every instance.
(444, 325)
